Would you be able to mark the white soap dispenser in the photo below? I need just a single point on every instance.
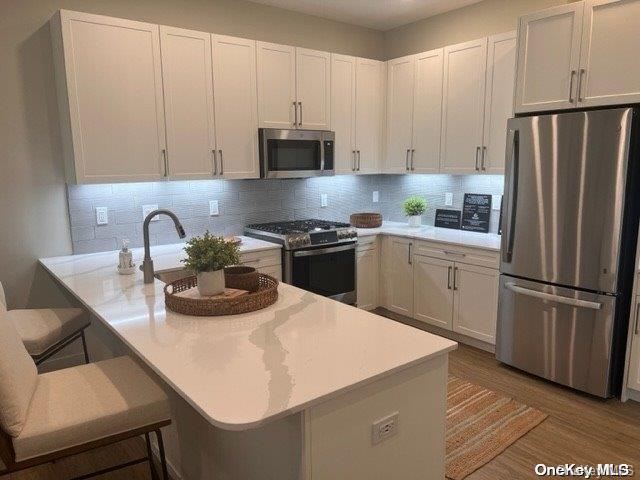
(125, 264)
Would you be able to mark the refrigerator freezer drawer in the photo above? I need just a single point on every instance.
(556, 333)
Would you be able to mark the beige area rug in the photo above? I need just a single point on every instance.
(481, 424)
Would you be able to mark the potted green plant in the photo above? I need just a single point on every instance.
(207, 256)
(414, 207)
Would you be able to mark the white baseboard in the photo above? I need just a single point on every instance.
(633, 395)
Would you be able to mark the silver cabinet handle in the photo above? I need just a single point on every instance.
(300, 122)
(295, 114)
(637, 329)
(448, 278)
(580, 82)
(215, 162)
(221, 162)
(455, 254)
(406, 160)
(410, 260)
(554, 298)
(455, 278)
(358, 160)
(571, 99)
(166, 163)
(483, 167)
(477, 157)
(353, 160)
(413, 151)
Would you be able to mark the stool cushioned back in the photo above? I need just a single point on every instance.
(18, 378)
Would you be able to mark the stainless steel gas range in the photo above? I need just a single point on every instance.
(317, 255)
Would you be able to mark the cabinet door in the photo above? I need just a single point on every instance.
(498, 105)
(111, 69)
(274, 270)
(400, 84)
(475, 310)
(398, 275)
(609, 66)
(343, 111)
(188, 94)
(234, 87)
(433, 291)
(276, 85)
(313, 82)
(463, 106)
(548, 58)
(633, 380)
(427, 112)
(369, 114)
(367, 283)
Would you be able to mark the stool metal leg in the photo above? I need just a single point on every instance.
(163, 460)
(152, 467)
(84, 347)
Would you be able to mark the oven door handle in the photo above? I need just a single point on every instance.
(323, 251)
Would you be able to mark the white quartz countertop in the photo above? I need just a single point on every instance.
(486, 241)
(242, 371)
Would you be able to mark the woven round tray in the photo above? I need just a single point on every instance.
(266, 295)
(365, 220)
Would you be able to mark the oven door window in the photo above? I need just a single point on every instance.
(326, 274)
(292, 155)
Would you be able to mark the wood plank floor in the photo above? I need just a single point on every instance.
(580, 429)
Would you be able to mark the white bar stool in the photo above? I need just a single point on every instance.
(46, 331)
(57, 414)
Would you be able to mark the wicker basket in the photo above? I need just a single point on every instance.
(242, 278)
(266, 295)
(365, 220)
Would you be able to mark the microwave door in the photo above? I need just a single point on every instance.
(293, 153)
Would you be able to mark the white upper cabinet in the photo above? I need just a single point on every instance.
(400, 86)
(294, 87)
(369, 114)
(313, 87)
(498, 105)
(549, 58)
(277, 104)
(343, 111)
(609, 65)
(463, 107)
(236, 107)
(109, 81)
(427, 112)
(188, 95)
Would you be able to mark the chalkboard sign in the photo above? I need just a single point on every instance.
(448, 218)
(476, 212)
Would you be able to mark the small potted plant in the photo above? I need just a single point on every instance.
(207, 256)
(414, 207)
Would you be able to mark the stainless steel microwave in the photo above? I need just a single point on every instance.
(296, 153)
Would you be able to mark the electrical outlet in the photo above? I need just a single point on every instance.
(323, 200)
(213, 208)
(147, 209)
(376, 196)
(448, 199)
(102, 216)
(495, 202)
(384, 428)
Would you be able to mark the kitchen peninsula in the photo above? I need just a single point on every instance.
(297, 390)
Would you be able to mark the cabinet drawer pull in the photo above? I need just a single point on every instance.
(410, 262)
(455, 254)
(573, 74)
(166, 163)
(406, 160)
(300, 122)
(580, 82)
(295, 114)
(477, 158)
(637, 329)
(358, 160)
(455, 278)
(413, 151)
(221, 163)
(215, 162)
(449, 278)
(353, 160)
(483, 166)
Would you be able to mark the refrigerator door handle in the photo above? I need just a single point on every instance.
(513, 147)
(554, 298)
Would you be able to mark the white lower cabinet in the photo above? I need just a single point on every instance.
(475, 306)
(440, 289)
(367, 268)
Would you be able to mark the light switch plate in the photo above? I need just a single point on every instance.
(376, 196)
(495, 202)
(102, 216)
(323, 200)
(147, 209)
(448, 199)
(213, 208)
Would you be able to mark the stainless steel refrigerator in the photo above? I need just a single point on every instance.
(570, 222)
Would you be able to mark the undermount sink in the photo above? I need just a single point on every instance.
(168, 276)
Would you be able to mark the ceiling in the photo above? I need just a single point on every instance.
(376, 14)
